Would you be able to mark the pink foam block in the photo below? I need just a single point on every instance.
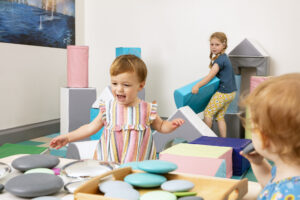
(197, 165)
(77, 66)
(256, 80)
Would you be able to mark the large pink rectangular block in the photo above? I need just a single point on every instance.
(77, 66)
(197, 165)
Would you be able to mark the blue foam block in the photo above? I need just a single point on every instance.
(234, 105)
(197, 102)
(239, 163)
(93, 114)
(128, 50)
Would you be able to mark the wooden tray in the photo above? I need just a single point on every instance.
(210, 188)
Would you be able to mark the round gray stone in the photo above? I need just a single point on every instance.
(123, 193)
(34, 185)
(177, 186)
(46, 198)
(28, 162)
(1, 187)
(191, 198)
(113, 185)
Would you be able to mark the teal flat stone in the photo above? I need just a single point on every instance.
(157, 166)
(133, 165)
(145, 180)
(158, 195)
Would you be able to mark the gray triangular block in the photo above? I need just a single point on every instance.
(192, 129)
(248, 48)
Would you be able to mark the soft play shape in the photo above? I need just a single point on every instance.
(184, 194)
(34, 185)
(72, 186)
(249, 148)
(192, 128)
(177, 185)
(239, 163)
(234, 105)
(191, 198)
(256, 80)
(46, 198)
(1, 187)
(197, 165)
(157, 166)
(123, 193)
(56, 171)
(184, 97)
(40, 170)
(133, 165)
(128, 50)
(81, 150)
(28, 162)
(204, 151)
(158, 195)
(248, 54)
(75, 104)
(109, 185)
(145, 180)
(77, 62)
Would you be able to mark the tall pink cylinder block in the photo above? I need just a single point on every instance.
(77, 66)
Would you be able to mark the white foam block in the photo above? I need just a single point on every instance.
(192, 129)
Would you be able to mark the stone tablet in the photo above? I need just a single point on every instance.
(111, 185)
(34, 185)
(191, 198)
(177, 186)
(133, 165)
(46, 198)
(157, 166)
(123, 193)
(28, 162)
(158, 195)
(145, 180)
(40, 170)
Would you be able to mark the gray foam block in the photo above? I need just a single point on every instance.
(234, 126)
(34, 185)
(192, 128)
(75, 107)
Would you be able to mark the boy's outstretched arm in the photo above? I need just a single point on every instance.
(78, 134)
(164, 126)
(260, 166)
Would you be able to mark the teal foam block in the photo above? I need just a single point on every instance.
(62, 152)
(128, 50)
(197, 102)
(93, 114)
(234, 105)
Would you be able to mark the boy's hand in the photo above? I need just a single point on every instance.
(195, 89)
(59, 141)
(177, 122)
(253, 157)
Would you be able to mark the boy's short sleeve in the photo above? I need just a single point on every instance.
(102, 109)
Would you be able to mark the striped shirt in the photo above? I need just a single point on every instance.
(127, 135)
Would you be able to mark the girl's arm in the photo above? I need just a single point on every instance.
(78, 134)
(164, 126)
(212, 73)
(260, 166)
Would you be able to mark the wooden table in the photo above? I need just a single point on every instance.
(253, 187)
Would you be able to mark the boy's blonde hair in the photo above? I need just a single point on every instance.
(275, 112)
(129, 63)
(223, 39)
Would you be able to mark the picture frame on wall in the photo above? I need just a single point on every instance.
(48, 23)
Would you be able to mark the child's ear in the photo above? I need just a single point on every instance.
(142, 85)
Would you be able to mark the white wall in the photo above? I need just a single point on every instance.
(173, 35)
(30, 80)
